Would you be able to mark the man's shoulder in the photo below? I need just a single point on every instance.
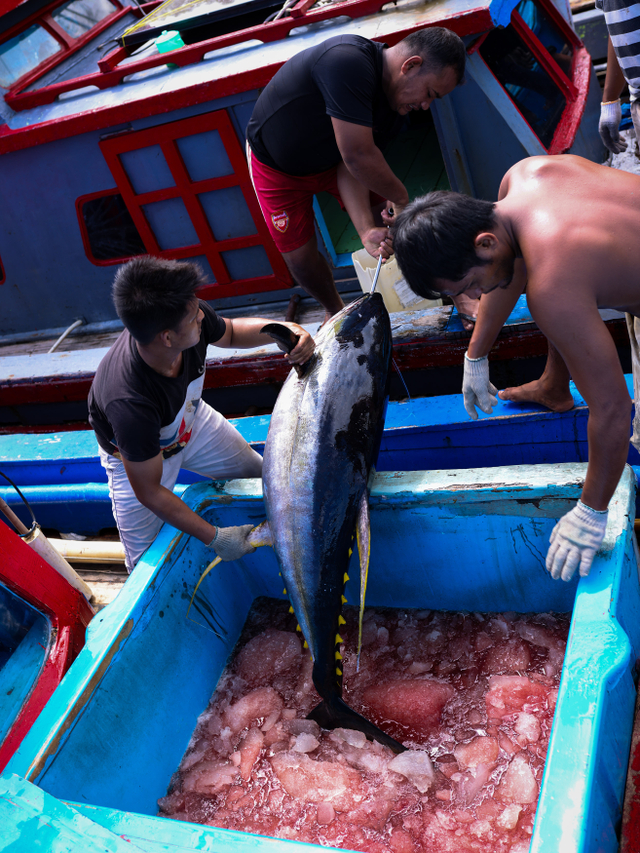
(357, 48)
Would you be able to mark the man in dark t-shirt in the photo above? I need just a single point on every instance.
(320, 124)
(146, 409)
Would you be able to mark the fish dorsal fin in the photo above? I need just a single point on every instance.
(364, 549)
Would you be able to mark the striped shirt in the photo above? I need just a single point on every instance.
(623, 22)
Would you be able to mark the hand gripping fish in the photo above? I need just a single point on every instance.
(323, 439)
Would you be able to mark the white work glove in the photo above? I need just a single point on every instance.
(230, 543)
(575, 540)
(477, 390)
(609, 127)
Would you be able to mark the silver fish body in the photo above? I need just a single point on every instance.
(323, 439)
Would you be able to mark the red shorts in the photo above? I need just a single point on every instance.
(287, 201)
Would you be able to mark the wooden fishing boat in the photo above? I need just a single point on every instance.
(155, 669)
(61, 476)
(45, 391)
(129, 151)
(42, 629)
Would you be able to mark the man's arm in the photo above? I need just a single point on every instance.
(145, 478)
(576, 329)
(495, 307)
(585, 344)
(494, 311)
(229, 543)
(365, 161)
(610, 109)
(244, 333)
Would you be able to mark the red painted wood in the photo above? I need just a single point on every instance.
(188, 191)
(549, 64)
(27, 575)
(568, 126)
(69, 44)
(477, 20)
(630, 832)
(273, 31)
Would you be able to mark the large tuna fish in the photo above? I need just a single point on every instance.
(323, 438)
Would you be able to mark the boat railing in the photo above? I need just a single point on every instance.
(112, 71)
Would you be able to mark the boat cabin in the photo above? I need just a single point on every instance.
(111, 148)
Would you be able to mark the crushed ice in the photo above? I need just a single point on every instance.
(471, 696)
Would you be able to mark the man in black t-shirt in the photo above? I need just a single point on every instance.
(320, 124)
(146, 409)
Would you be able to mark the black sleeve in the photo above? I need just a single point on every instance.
(213, 327)
(136, 428)
(346, 77)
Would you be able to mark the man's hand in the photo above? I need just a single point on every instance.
(477, 390)
(378, 241)
(609, 127)
(303, 350)
(390, 211)
(574, 541)
(230, 543)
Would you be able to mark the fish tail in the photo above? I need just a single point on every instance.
(334, 713)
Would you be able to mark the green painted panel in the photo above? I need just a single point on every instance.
(415, 158)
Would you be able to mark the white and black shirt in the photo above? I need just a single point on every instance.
(136, 412)
(623, 22)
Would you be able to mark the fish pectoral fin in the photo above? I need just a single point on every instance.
(260, 535)
(364, 550)
(282, 335)
(286, 340)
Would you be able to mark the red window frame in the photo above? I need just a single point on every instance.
(165, 136)
(69, 45)
(574, 88)
(3, 275)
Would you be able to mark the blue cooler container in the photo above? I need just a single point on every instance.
(116, 728)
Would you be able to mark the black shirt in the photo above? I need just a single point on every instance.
(137, 412)
(290, 128)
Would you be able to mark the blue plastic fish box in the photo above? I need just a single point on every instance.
(118, 725)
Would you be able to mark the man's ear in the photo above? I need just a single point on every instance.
(165, 337)
(411, 64)
(485, 245)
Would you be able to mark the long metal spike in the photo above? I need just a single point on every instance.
(375, 278)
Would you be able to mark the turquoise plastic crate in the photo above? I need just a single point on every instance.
(118, 725)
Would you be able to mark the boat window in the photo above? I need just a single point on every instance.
(79, 16)
(519, 70)
(25, 52)
(109, 229)
(548, 33)
(187, 188)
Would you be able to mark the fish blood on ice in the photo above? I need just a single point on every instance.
(476, 739)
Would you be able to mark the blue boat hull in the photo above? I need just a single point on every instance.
(61, 476)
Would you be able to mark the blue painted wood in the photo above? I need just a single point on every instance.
(33, 820)
(61, 476)
(21, 666)
(120, 721)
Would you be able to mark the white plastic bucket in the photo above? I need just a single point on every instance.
(395, 291)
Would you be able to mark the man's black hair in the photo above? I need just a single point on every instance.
(154, 294)
(434, 238)
(439, 48)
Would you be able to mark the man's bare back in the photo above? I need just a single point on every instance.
(567, 230)
(576, 224)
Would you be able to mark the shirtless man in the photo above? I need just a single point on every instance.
(568, 229)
